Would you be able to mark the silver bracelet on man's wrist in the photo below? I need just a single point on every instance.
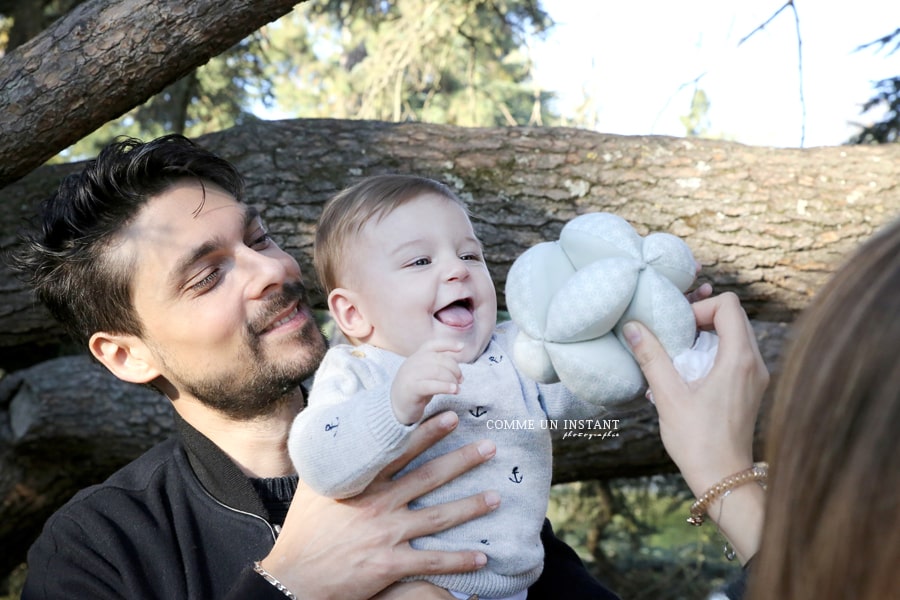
(258, 568)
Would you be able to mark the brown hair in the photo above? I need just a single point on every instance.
(832, 528)
(346, 213)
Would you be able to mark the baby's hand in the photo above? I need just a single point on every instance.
(432, 369)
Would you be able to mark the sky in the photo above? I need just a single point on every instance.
(639, 60)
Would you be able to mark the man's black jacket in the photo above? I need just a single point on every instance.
(183, 522)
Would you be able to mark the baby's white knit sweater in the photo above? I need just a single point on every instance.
(348, 433)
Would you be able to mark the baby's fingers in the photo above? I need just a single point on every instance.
(441, 346)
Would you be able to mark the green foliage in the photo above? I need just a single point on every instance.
(887, 129)
(696, 123)
(413, 60)
(11, 589)
(887, 96)
(5, 26)
(458, 63)
(632, 534)
(211, 98)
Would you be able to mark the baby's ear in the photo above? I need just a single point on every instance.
(345, 310)
(126, 356)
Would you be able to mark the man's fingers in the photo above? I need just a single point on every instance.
(427, 434)
(440, 517)
(413, 590)
(438, 471)
(435, 562)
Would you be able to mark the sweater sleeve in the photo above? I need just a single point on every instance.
(348, 432)
(560, 403)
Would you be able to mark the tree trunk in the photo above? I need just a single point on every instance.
(65, 424)
(104, 58)
(769, 224)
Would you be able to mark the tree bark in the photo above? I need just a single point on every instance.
(65, 424)
(768, 224)
(104, 58)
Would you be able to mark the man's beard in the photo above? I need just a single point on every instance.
(264, 385)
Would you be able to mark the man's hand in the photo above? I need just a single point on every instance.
(414, 590)
(352, 549)
(432, 369)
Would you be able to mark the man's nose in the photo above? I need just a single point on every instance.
(264, 271)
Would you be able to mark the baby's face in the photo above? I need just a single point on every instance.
(419, 275)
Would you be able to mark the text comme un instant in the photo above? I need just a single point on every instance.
(569, 424)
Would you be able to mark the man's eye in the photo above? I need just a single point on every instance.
(262, 242)
(206, 283)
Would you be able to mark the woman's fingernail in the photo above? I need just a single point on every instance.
(632, 333)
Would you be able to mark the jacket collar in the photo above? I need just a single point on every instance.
(218, 474)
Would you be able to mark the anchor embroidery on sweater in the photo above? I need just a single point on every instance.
(516, 476)
(333, 426)
(478, 412)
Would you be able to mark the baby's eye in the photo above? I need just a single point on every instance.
(471, 256)
(420, 262)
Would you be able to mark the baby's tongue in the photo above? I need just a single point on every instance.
(455, 316)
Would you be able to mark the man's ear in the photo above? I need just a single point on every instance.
(345, 311)
(126, 356)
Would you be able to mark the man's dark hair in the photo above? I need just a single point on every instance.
(64, 257)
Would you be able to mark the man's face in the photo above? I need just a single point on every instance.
(223, 308)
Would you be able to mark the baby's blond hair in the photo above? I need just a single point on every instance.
(347, 213)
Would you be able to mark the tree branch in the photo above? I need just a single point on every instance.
(108, 57)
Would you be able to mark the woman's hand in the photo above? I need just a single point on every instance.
(707, 425)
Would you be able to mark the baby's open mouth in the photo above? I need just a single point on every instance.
(456, 314)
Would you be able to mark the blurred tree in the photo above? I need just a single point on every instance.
(101, 59)
(887, 95)
(696, 122)
(24, 19)
(458, 63)
(216, 96)
(210, 98)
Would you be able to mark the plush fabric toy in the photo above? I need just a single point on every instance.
(571, 297)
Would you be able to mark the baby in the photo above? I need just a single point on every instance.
(408, 286)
